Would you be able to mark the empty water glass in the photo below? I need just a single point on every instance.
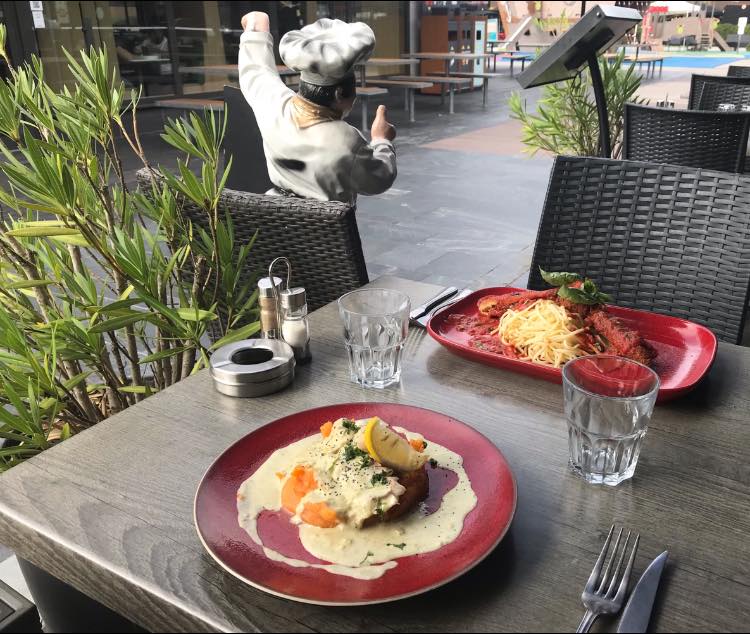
(376, 322)
(608, 405)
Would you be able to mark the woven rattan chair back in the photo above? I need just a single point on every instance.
(707, 92)
(738, 71)
(711, 140)
(664, 238)
(321, 239)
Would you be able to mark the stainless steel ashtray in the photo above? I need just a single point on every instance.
(254, 367)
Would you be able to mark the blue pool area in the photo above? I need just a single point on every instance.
(695, 61)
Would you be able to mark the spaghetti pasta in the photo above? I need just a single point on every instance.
(542, 332)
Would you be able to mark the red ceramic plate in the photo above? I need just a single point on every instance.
(686, 350)
(230, 545)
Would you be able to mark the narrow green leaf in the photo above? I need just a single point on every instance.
(245, 332)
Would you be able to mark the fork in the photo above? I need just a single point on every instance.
(602, 594)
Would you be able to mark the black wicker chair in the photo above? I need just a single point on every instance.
(708, 91)
(710, 140)
(320, 238)
(664, 238)
(738, 71)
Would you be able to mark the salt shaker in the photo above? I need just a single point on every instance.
(295, 329)
(269, 310)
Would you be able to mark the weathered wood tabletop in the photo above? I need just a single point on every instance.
(110, 511)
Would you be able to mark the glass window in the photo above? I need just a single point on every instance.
(137, 37)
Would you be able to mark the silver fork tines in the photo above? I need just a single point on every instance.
(605, 592)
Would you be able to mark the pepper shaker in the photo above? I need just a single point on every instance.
(269, 309)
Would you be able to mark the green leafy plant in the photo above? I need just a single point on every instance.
(566, 120)
(106, 292)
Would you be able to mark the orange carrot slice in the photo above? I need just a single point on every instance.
(418, 444)
(326, 429)
(319, 514)
(300, 483)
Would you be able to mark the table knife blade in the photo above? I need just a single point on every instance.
(637, 612)
(438, 299)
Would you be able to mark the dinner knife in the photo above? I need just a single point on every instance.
(424, 319)
(637, 612)
(425, 308)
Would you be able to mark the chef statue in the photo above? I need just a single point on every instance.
(310, 150)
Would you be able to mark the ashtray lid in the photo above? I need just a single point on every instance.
(252, 361)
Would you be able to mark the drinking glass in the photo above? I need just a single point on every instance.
(608, 405)
(727, 107)
(376, 322)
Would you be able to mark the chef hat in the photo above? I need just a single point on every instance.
(325, 52)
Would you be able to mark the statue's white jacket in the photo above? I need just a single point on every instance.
(327, 161)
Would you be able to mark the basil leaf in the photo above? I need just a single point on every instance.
(577, 296)
(589, 287)
(559, 279)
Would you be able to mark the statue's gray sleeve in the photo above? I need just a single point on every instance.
(374, 168)
(260, 82)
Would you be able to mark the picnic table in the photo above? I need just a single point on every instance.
(513, 57)
(449, 58)
(382, 61)
(650, 61)
(110, 511)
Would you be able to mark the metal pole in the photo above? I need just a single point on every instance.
(605, 143)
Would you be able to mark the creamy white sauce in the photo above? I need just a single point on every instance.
(362, 553)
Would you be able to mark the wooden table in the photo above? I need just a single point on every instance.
(110, 511)
(231, 69)
(513, 58)
(364, 93)
(382, 61)
(450, 57)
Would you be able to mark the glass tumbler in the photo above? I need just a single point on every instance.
(376, 322)
(608, 405)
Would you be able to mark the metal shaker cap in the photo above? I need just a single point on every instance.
(265, 287)
(293, 298)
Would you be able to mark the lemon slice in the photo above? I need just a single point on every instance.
(389, 449)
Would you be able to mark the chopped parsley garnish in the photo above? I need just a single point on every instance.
(399, 546)
(379, 510)
(350, 426)
(433, 463)
(380, 478)
(352, 453)
(367, 556)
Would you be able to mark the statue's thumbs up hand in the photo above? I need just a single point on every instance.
(256, 21)
(381, 129)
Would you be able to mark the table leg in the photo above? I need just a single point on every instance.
(364, 116)
(406, 99)
(661, 67)
(485, 85)
(511, 67)
(442, 94)
(450, 99)
(412, 119)
(494, 61)
(362, 75)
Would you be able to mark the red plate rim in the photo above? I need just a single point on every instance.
(477, 560)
